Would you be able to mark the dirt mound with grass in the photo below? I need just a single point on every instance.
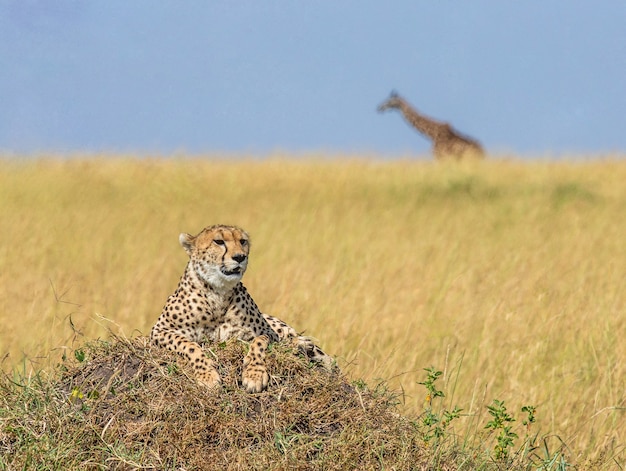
(124, 404)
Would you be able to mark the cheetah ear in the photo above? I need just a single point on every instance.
(186, 240)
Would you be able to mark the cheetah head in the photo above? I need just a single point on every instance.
(218, 255)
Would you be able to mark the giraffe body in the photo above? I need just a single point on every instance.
(447, 142)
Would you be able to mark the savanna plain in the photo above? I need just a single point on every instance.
(507, 275)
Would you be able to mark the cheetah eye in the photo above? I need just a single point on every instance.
(243, 242)
(219, 241)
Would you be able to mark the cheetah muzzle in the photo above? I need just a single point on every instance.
(211, 303)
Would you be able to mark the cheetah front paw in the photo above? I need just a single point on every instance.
(255, 378)
(209, 379)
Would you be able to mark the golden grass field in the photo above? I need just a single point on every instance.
(509, 275)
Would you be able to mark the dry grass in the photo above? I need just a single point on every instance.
(127, 406)
(515, 269)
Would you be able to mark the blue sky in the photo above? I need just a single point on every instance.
(161, 77)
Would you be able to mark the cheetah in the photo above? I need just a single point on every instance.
(211, 303)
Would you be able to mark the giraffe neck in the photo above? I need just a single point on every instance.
(427, 126)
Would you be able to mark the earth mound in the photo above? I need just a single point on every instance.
(125, 404)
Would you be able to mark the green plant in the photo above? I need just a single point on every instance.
(500, 424)
(436, 422)
(284, 440)
(530, 410)
(540, 456)
(79, 355)
(550, 460)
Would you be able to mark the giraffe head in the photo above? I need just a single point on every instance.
(394, 101)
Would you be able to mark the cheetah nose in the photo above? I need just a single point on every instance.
(239, 257)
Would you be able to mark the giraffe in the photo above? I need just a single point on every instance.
(447, 142)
